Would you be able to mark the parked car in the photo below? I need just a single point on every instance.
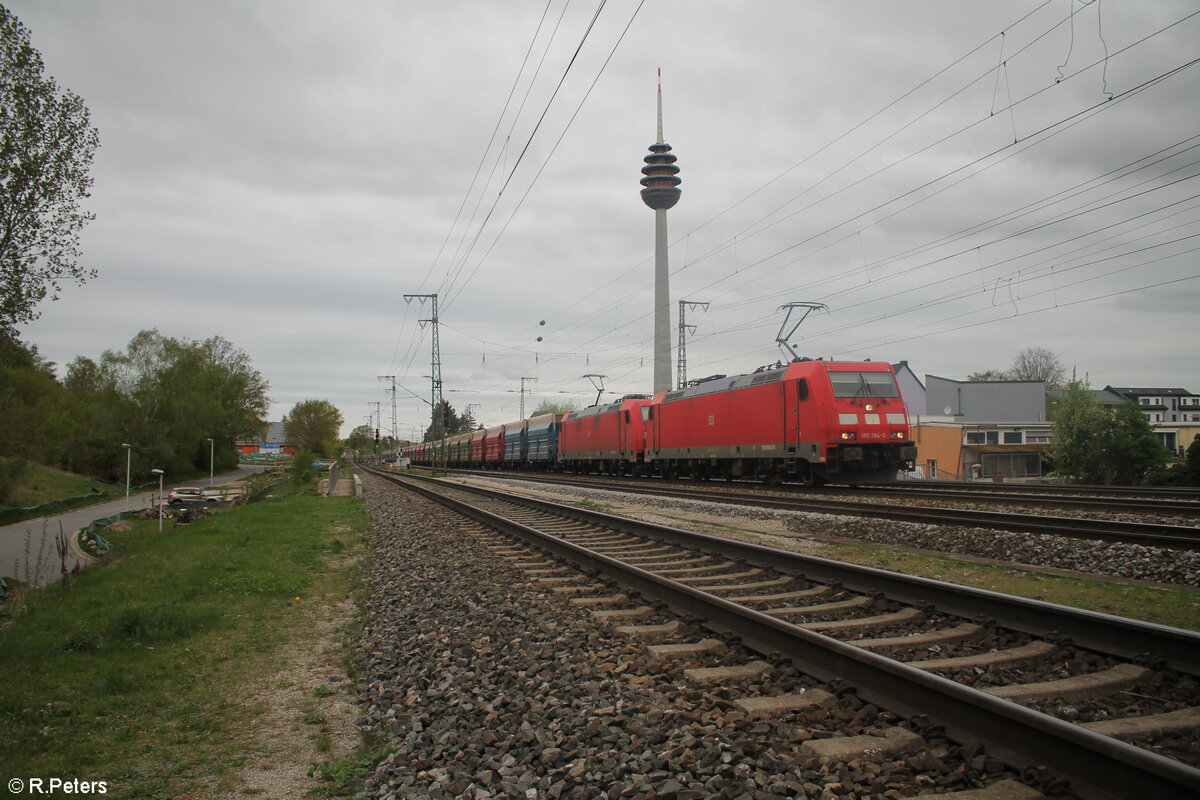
(183, 495)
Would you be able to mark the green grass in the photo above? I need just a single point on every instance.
(1179, 608)
(132, 674)
(39, 485)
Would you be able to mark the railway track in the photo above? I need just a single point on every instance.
(987, 667)
(1127, 500)
(1143, 533)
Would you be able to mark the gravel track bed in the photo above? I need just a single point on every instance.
(488, 685)
(1115, 559)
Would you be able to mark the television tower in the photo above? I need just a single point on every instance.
(661, 192)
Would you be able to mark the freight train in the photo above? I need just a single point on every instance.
(813, 421)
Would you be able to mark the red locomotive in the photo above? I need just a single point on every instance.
(814, 421)
(609, 438)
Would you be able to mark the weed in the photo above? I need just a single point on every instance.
(349, 772)
(83, 642)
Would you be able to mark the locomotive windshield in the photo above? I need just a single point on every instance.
(863, 384)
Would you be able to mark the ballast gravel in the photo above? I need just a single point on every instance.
(485, 684)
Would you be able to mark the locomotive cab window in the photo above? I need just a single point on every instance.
(802, 390)
(863, 384)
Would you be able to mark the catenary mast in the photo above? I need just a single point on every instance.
(661, 192)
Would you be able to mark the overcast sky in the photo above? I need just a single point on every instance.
(955, 181)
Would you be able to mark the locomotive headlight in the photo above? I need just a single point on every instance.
(898, 434)
(870, 406)
(848, 436)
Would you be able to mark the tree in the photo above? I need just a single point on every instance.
(452, 423)
(1092, 444)
(1038, 364)
(46, 147)
(1133, 451)
(555, 407)
(313, 425)
(361, 439)
(1192, 464)
(1076, 421)
(987, 375)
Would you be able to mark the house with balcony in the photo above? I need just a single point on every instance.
(1174, 413)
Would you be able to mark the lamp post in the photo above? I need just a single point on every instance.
(159, 473)
(210, 462)
(128, 458)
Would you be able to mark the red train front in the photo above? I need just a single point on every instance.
(816, 421)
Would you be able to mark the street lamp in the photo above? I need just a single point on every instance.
(159, 473)
(210, 462)
(128, 457)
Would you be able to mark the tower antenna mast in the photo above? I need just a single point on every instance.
(661, 192)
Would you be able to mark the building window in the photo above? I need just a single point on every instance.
(993, 437)
(975, 437)
(1012, 437)
(1011, 465)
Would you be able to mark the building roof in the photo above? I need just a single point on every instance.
(1150, 392)
(904, 367)
(955, 380)
(276, 433)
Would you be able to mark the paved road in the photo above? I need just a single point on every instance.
(38, 535)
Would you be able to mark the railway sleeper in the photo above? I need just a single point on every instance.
(966, 630)
(660, 653)
(837, 607)
(770, 705)
(1027, 652)
(1000, 790)
(1077, 687)
(713, 676)
(904, 615)
(1183, 720)
(662, 631)
(894, 742)
(799, 594)
(599, 600)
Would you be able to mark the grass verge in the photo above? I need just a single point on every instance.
(1179, 608)
(144, 672)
